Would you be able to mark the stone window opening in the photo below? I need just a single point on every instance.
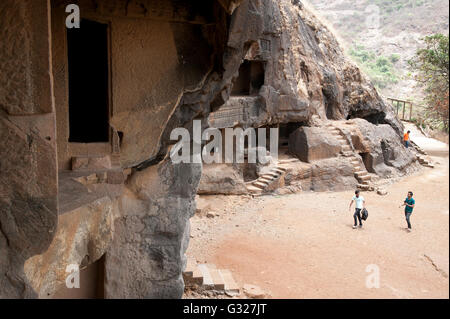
(250, 80)
(88, 77)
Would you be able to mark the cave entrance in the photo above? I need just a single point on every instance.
(330, 111)
(250, 80)
(285, 130)
(367, 161)
(88, 66)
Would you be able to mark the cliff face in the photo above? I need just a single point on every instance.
(402, 25)
(306, 72)
(295, 70)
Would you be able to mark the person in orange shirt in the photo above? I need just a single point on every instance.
(406, 139)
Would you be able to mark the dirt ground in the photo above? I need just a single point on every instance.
(303, 245)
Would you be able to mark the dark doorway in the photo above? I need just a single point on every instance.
(285, 130)
(250, 80)
(92, 281)
(87, 49)
(368, 162)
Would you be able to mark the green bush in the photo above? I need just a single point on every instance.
(394, 58)
(379, 69)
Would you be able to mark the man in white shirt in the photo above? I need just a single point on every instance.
(360, 203)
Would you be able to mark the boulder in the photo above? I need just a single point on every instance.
(81, 238)
(221, 179)
(254, 292)
(334, 174)
(313, 143)
(381, 148)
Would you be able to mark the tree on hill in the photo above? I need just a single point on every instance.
(431, 67)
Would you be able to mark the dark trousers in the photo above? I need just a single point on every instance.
(357, 216)
(407, 144)
(408, 215)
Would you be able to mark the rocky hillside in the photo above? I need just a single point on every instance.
(382, 35)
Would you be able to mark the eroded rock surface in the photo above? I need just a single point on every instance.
(380, 146)
(296, 71)
(146, 257)
(221, 179)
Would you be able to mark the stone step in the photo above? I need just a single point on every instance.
(265, 179)
(270, 175)
(290, 160)
(357, 168)
(230, 285)
(208, 282)
(254, 190)
(218, 282)
(277, 171)
(207, 276)
(364, 178)
(197, 277)
(261, 182)
(280, 168)
(363, 186)
(191, 266)
(260, 185)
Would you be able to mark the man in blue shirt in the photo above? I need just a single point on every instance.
(409, 206)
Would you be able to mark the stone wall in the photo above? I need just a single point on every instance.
(152, 62)
(151, 235)
(28, 178)
(167, 69)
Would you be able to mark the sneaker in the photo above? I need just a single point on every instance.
(354, 227)
(360, 226)
(409, 230)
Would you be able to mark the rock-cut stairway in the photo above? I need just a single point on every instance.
(208, 277)
(422, 156)
(266, 181)
(360, 172)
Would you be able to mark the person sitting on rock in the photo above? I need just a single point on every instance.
(406, 139)
(359, 206)
(409, 206)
